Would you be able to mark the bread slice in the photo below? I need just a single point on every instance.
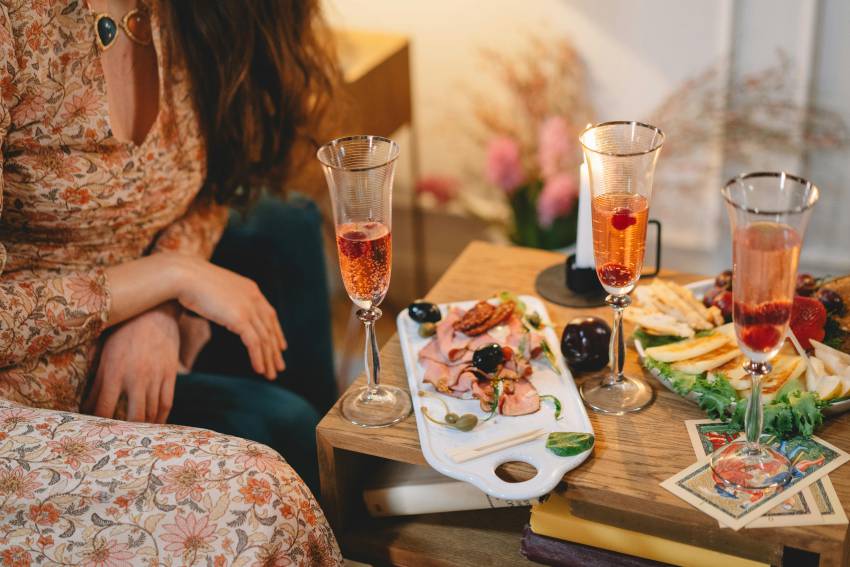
(709, 360)
(690, 348)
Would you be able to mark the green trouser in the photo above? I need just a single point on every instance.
(278, 245)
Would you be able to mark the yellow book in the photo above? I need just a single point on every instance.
(554, 518)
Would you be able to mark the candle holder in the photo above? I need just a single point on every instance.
(568, 285)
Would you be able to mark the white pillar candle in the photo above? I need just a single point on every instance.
(584, 234)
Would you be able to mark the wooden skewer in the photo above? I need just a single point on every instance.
(462, 454)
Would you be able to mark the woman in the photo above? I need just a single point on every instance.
(126, 128)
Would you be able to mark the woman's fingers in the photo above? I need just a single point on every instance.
(107, 398)
(152, 399)
(276, 336)
(136, 402)
(278, 330)
(255, 351)
(267, 345)
(94, 393)
(166, 397)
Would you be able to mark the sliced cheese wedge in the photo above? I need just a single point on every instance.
(686, 349)
(657, 323)
(728, 329)
(785, 368)
(709, 360)
(829, 387)
(734, 373)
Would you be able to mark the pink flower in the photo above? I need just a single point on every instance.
(73, 451)
(16, 482)
(557, 199)
(11, 417)
(186, 480)
(87, 292)
(107, 554)
(255, 458)
(442, 187)
(554, 146)
(504, 167)
(189, 535)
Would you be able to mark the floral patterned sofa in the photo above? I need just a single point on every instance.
(81, 490)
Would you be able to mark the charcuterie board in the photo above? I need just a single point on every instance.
(440, 442)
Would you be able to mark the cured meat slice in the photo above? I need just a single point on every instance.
(465, 381)
(436, 373)
(483, 390)
(447, 340)
(519, 398)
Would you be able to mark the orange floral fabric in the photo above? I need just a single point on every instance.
(81, 490)
(76, 200)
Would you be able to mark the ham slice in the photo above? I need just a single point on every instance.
(533, 346)
(465, 381)
(515, 333)
(519, 398)
(483, 390)
(437, 374)
(448, 341)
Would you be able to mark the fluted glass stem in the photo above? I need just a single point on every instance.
(370, 353)
(617, 347)
(754, 416)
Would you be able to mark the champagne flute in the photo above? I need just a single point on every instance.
(359, 171)
(621, 158)
(768, 213)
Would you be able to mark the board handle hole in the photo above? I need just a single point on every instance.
(516, 471)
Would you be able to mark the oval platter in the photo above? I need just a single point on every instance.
(437, 441)
(699, 288)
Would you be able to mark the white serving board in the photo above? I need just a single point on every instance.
(699, 288)
(437, 439)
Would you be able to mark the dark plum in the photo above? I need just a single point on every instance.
(424, 312)
(807, 285)
(488, 358)
(724, 280)
(585, 343)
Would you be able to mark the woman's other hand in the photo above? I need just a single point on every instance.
(140, 360)
(237, 304)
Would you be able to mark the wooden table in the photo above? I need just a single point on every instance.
(619, 484)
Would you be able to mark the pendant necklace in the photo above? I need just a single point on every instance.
(136, 25)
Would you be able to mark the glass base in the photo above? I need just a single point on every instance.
(384, 406)
(756, 468)
(617, 398)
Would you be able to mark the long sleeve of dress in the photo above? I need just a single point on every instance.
(196, 232)
(52, 313)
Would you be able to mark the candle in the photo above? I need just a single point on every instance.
(584, 236)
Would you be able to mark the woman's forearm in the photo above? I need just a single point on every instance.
(143, 284)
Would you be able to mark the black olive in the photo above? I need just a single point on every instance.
(488, 357)
(585, 343)
(806, 285)
(424, 312)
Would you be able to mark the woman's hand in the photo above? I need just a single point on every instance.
(139, 359)
(237, 304)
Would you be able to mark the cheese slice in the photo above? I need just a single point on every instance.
(686, 349)
(785, 368)
(814, 374)
(734, 373)
(709, 360)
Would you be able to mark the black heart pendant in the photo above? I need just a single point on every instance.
(106, 29)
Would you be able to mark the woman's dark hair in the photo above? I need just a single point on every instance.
(262, 75)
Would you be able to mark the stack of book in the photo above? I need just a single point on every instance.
(556, 537)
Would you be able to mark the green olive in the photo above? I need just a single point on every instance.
(466, 422)
(534, 320)
(427, 330)
(451, 418)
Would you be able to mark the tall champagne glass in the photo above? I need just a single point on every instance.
(359, 172)
(621, 159)
(768, 214)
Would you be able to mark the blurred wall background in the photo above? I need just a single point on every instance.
(637, 53)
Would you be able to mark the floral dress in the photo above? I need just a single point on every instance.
(83, 490)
